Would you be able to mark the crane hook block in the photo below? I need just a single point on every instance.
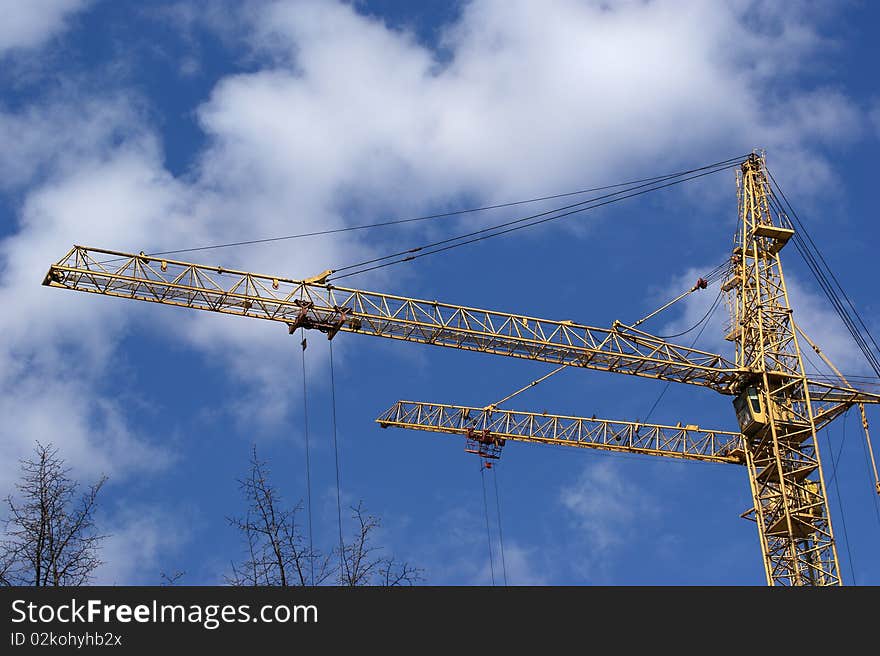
(483, 443)
(328, 322)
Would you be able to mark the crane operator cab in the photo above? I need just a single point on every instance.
(750, 411)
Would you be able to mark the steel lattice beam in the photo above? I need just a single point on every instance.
(782, 453)
(686, 442)
(328, 308)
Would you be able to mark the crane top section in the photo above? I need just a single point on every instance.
(330, 309)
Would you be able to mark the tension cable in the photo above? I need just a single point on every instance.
(303, 345)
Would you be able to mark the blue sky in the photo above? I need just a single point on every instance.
(154, 126)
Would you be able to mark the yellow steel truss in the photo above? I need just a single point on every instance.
(321, 306)
(331, 309)
(686, 442)
(782, 456)
(788, 488)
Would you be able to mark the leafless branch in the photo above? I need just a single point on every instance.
(278, 554)
(51, 538)
(363, 565)
(171, 579)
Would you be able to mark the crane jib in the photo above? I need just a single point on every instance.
(331, 309)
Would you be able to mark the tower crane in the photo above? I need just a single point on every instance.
(779, 408)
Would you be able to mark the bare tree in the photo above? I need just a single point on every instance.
(393, 573)
(50, 537)
(171, 579)
(7, 562)
(361, 562)
(277, 552)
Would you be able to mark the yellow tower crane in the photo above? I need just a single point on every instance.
(778, 407)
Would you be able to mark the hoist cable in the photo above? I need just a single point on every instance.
(832, 297)
(535, 216)
(815, 373)
(342, 562)
(486, 513)
(806, 234)
(529, 386)
(308, 464)
(850, 377)
(806, 247)
(847, 320)
(872, 464)
(664, 307)
(836, 459)
(500, 534)
(714, 275)
(705, 316)
(804, 251)
(428, 217)
(840, 510)
(669, 382)
(518, 224)
(836, 377)
(871, 484)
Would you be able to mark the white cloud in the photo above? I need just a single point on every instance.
(531, 99)
(875, 117)
(54, 138)
(56, 352)
(141, 543)
(457, 553)
(607, 508)
(521, 564)
(92, 434)
(825, 114)
(30, 23)
(692, 309)
(815, 315)
(812, 312)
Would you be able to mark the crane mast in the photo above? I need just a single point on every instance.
(779, 409)
(782, 452)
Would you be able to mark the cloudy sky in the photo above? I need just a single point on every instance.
(168, 125)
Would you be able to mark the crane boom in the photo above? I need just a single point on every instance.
(312, 303)
(488, 425)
